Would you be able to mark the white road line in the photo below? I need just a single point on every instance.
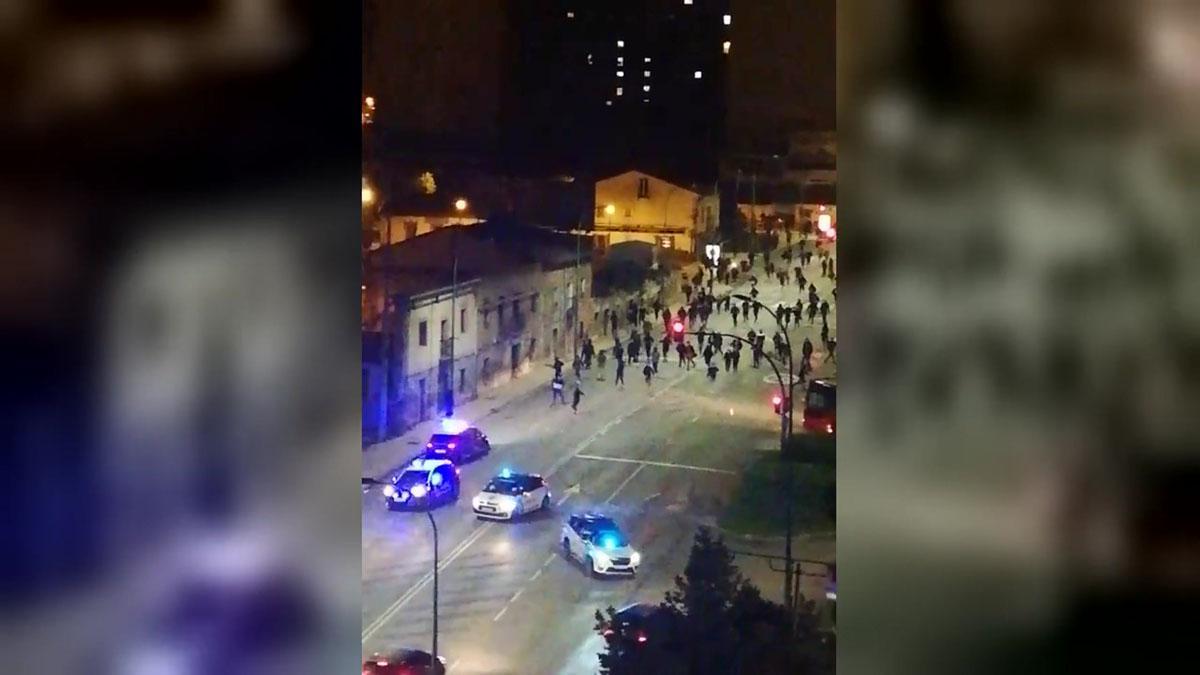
(422, 583)
(502, 611)
(694, 418)
(515, 596)
(669, 465)
(536, 574)
(624, 483)
(562, 499)
(549, 559)
(408, 595)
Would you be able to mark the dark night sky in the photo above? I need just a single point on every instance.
(441, 71)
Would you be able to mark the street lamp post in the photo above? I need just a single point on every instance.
(460, 206)
(433, 524)
(784, 433)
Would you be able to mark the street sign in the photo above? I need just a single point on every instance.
(713, 253)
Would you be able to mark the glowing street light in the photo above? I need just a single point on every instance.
(368, 193)
(460, 205)
(610, 209)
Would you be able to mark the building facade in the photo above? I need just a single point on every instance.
(635, 206)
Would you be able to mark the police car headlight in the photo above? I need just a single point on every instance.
(418, 491)
(508, 503)
(635, 559)
(389, 490)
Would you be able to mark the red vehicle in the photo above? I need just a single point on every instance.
(820, 407)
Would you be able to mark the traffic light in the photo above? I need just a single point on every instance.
(677, 330)
(777, 401)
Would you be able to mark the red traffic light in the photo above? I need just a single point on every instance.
(677, 327)
(776, 399)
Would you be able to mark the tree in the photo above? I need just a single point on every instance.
(725, 627)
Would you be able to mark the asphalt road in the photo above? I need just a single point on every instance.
(660, 459)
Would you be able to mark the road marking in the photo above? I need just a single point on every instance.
(536, 574)
(694, 418)
(515, 596)
(422, 583)
(624, 483)
(408, 595)
(502, 611)
(669, 465)
(549, 559)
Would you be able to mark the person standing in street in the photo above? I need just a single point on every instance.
(556, 390)
(600, 360)
(612, 321)
(620, 378)
(654, 357)
(647, 372)
(824, 311)
(575, 398)
(734, 313)
(756, 312)
(806, 351)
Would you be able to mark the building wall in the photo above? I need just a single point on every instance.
(662, 206)
(416, 364)
(395, 229)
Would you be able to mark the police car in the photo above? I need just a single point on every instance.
(422, 484)
(596, 540)
(509, 495)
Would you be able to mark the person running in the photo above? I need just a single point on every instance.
(634, 346)
(812, 312)
(824, 268)
(556, 389)
(575, 398)
(728, 356)
(647, 341)
(691, 356)
(825, 335)
(734, 313)
(737, 356)
(654, 357)
(806, 351)
(832, 353)
(618, 352)
(712, 372)
(620, 378)
(756, 312)
(679, 349)
(647, 372)
(708, 354)
(824, 310)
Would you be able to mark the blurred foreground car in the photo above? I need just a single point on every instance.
(404, 662)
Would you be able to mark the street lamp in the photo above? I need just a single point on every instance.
(368, 194)
(433, 524)
(460, 205)
(610, 209)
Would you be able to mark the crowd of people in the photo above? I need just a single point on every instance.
(653, 328)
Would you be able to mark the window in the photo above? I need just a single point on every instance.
(698, 74)
(589, 59)
(487, 315)
(725, 46)
(462, 321)
(645, 100)
(646, 60)
(462, 379)
(628, 213)
(608, 102)
(620, 44)
(620, 73)
(423, 333)
(643, 188)
(443, 334)
(570, 14)
(620, 60)
(620, 91)
(687, 2)
(727, 19)
(533, 303)
(645, 73)
(646, 88)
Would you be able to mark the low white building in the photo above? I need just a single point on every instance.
(635, 206)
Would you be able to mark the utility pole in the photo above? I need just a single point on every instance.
(433, 524)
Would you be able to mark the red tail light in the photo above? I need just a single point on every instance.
(641, 637)
(608, 632)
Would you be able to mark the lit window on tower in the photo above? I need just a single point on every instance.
(570, 14)
(620, 73)
(646, 60)
(620, 91)
(727, 19)
(725, 46)
(698, 75)
(645, 73)
(620, 44)
(646, 87)
(620, 60)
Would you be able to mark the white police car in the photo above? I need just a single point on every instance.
(509, 495)
(596, 540)
(422, 484)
